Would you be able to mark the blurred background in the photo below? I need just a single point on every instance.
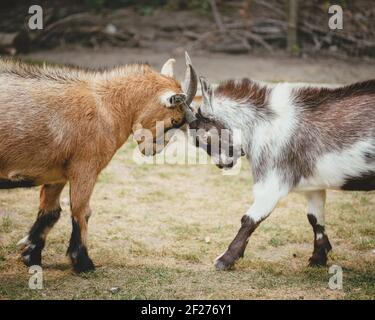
(270, 40)
(230, 26)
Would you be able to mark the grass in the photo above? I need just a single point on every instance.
(148, 237)
(6, 224)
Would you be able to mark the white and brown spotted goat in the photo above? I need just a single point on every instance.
(60, 125)
(300, 139)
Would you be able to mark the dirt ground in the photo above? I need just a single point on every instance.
(156, 229)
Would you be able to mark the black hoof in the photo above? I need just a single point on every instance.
(32, 255)
(81, 261)
(88, 266)
(82, 267)
(319, 257)
(318, 261)
(225, 262)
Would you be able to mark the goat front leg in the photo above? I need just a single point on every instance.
(81, 187)
(266, 196)
(48, 215)
(315, 215)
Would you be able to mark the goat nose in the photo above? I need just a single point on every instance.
(193, 125)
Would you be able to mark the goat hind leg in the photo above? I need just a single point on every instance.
(48, 215)
(315, 215)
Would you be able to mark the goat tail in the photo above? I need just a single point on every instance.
(9, 184)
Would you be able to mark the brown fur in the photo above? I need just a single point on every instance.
(244, 90)
(321, 246)
(60, 124)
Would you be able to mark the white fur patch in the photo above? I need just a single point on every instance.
(165, 98)
(23, 241)
(275, 133)
(237, 115)
(315, 206)
(267, 193)
(332, 169)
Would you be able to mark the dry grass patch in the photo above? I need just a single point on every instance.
(156, 229)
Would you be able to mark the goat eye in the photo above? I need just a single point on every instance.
(175, 123)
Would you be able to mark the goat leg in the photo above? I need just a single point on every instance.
(48, 215)
(81, 187)
(237, 247)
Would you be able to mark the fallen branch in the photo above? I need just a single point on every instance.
(258, 39)
(217, 16)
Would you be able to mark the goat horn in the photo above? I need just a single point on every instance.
(190, 87)
(191, 84)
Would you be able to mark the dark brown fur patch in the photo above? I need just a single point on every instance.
(364, 183)
(9, 184)
(314, 97)
(237, 247)
(321, 246)
(244, 90)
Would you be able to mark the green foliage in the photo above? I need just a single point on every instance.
(328, 3)
(296, 50)
(145, 10)
(95, 4)
(342, 3)
(203, 5)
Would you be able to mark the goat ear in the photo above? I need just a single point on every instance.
(168, 68)
(172, 99)
(208, 96)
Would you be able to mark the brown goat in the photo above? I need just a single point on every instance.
(60, 125)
